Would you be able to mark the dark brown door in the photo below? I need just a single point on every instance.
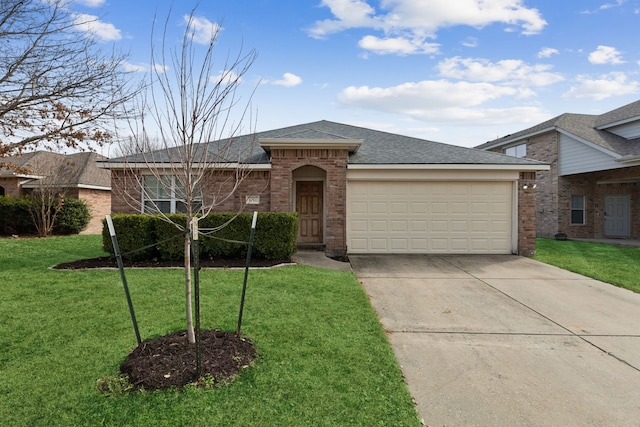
(309, 207)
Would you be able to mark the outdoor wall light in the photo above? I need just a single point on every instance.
(528, 184)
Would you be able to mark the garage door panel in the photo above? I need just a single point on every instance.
(429, 217)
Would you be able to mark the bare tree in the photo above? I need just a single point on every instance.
(57, 88)
(189, 104)
(50, 190)
(135, 145)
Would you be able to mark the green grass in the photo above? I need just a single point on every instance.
(617, 265)
(323, 357)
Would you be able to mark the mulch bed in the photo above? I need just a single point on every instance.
(170, 361)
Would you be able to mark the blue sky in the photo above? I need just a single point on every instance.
(456, 71)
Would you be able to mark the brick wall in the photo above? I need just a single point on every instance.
(11, 186)
(99, 202)
(227, 190)
(527, 214)
(334, 163)
(595, 186)
(125, 192)
(544, 147)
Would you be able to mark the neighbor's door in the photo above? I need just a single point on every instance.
(616, 211)
(309, 205)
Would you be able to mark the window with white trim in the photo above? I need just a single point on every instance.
(577, 210)
(519, 150)
(165, 194)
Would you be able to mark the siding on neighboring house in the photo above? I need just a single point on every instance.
(578, 157)
(628, 130)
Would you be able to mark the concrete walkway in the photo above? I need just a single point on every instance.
(508, 341)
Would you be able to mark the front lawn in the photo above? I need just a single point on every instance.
(323, 357)
(617, 265)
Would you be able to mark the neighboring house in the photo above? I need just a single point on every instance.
(358, 190)
(592, 189)
(77, 175)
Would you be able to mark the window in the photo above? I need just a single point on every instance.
(165, 194)
(577, 209)
(2, 192)
(516, 151)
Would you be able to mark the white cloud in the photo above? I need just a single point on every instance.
(611, 5)
(409, 98)
(507, 71)
(423, 19)
(138, 68)
(547, 52)
(133, 68)
(92, 26)
(203, 30)
(397, 45)
(288, 80)
(470, 42)
(349, 14)
(91, 3)
(605, 55)
(612, 84)
(442, 102)
(225, 78)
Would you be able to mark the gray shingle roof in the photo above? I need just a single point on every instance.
(626, 112)
(586, 127)
(377, 147)
(80, 169)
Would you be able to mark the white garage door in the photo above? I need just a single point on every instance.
(429, 217)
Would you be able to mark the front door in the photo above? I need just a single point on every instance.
(616, 219)
(309, 205)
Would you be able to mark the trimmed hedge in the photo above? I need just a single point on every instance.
(16, 218)
(275, 235)
(133, 232)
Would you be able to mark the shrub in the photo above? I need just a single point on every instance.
(170, 247)
(275, 235)
(133, 232)
(15, 216)
(72, 218)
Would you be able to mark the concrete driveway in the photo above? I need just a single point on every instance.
(508, 341)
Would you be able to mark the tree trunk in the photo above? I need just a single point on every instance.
(187, 281)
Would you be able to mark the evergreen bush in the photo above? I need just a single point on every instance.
(275, 235)
(72, 218)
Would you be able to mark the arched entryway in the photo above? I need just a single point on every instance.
(309, 195)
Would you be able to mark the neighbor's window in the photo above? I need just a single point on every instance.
(165, 194)
(516, 151)
(577, 209)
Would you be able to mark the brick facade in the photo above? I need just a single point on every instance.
(226, 190)
(99, 202)
(544, 147)
(553, 193)
(334, 164)
(527, 214)
(11, 186)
